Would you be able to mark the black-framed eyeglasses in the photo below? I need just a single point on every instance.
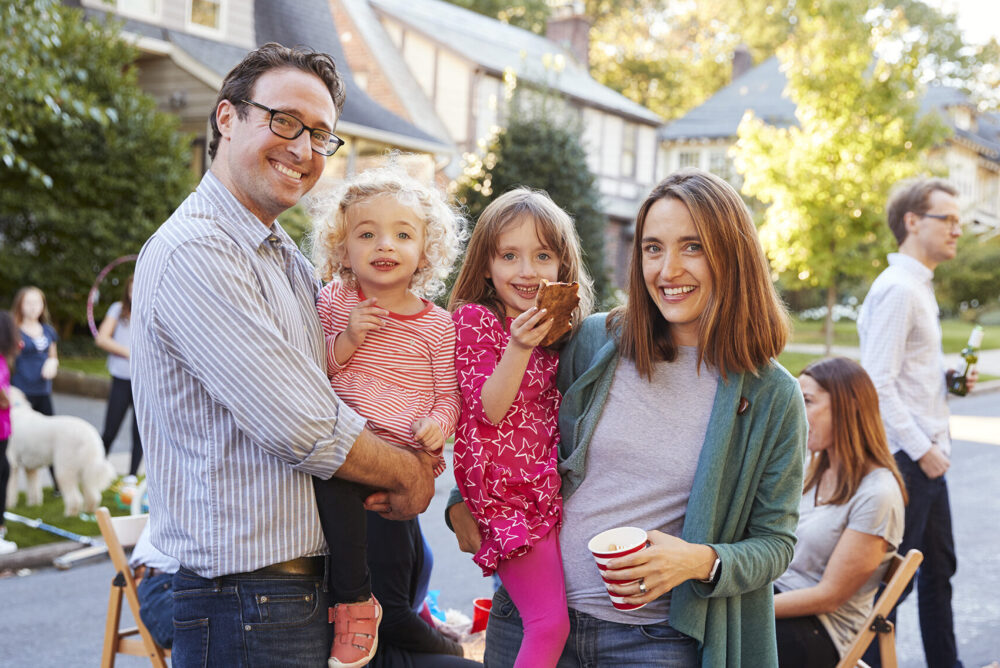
(951, 220)
(287, 126)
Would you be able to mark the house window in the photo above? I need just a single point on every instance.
(139, 8)
(629, 132)
(689, 159)
(206, 14)
(718, 164)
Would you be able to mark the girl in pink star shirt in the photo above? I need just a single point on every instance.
(508, 432)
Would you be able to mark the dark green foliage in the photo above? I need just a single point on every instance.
(972, 278)
(109, 179)
(529, 14)
(541, 149)
(298, 224)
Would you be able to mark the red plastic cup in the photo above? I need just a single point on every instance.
(480, 613)
(611, 544)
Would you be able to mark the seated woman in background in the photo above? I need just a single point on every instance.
(850, 518)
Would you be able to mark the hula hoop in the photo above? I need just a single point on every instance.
(94, 289)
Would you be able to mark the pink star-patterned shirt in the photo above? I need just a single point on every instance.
(506, 472)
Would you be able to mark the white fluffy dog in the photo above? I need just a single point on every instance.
(69, 444)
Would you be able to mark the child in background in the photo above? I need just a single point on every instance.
(37, 363)
(387, 242)
(113, 337)
(508, 435)
(10, 343)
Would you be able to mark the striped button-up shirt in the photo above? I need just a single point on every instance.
(235, 409)
(900, 332)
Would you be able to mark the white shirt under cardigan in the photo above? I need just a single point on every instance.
(640, 467)
(900, 332)
(876, 509)
(234, 406)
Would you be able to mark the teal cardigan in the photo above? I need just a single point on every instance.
(744, 499)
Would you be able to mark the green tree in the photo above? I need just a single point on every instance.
(972, 279)
(672, 57)
(41, 80)
(540, 148)
(853, 71)
(99, 169)
(528, 14)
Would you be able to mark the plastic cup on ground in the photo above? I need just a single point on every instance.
(612, 544)
(480, 613)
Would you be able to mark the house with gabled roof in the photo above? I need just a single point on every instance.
(971, 155)
(188, 47)
(443, 67)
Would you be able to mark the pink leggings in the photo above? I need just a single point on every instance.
(535, 583)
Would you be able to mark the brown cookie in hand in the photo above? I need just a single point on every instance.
(559, 300)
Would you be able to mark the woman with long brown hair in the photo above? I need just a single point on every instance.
(676, 419)
(851, 517)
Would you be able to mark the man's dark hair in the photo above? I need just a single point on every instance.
(913, 195)
(239, 83)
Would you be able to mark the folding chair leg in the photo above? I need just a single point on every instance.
(887, 647)
(111, 628)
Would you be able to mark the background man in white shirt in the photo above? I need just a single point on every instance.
(900, 335)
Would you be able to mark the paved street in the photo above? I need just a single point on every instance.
(56, 618)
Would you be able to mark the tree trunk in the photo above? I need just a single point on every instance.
(831, 301)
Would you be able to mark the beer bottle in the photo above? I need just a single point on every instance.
(970, 355)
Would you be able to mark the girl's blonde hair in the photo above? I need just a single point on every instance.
(19, 296)
(555, 229)
(444, 227)
(744, 323)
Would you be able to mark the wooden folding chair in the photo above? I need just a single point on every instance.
(137, 641)
(897, 576)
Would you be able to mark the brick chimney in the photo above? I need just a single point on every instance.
(742, 61)
(569, 27)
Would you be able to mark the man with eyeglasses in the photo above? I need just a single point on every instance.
(900, 335)
(231, 393)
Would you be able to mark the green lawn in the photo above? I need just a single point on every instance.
(795, 362)
(51, 512)
(96, 366)
(955, 334)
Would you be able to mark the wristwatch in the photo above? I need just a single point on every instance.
(715, 573)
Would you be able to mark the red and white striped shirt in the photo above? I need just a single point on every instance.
(402, 372)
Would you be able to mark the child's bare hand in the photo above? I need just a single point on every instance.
(528, 329)
(4, 400)
(364, 318)
(428, 433)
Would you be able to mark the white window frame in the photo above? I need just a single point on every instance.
(629, 168)
(726, 173)
(199, 29)
(116, 6)
(688, 152)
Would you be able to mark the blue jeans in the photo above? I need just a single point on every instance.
(928, 528)
(156, 607)
(248, 620)
(592, 643)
